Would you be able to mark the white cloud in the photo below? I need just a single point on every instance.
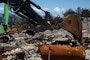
(54, 12)
(59, 10)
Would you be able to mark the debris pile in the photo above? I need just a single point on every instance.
(26, 47)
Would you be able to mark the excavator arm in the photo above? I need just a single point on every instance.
(23, 9)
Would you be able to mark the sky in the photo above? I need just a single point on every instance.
(57, 7)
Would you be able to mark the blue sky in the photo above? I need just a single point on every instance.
(63, 3)
(58, 7)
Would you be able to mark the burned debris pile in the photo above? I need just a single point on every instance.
(27, 46)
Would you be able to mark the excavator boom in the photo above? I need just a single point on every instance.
(27, 12)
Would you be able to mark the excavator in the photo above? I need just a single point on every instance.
(27, 12)
(54, 51)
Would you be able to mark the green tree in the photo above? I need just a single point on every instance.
(69, 11)
(85, 13)
(79, 11)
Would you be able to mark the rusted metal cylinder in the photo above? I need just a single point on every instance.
(62, 52)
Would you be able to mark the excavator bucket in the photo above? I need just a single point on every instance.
(72, 23)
